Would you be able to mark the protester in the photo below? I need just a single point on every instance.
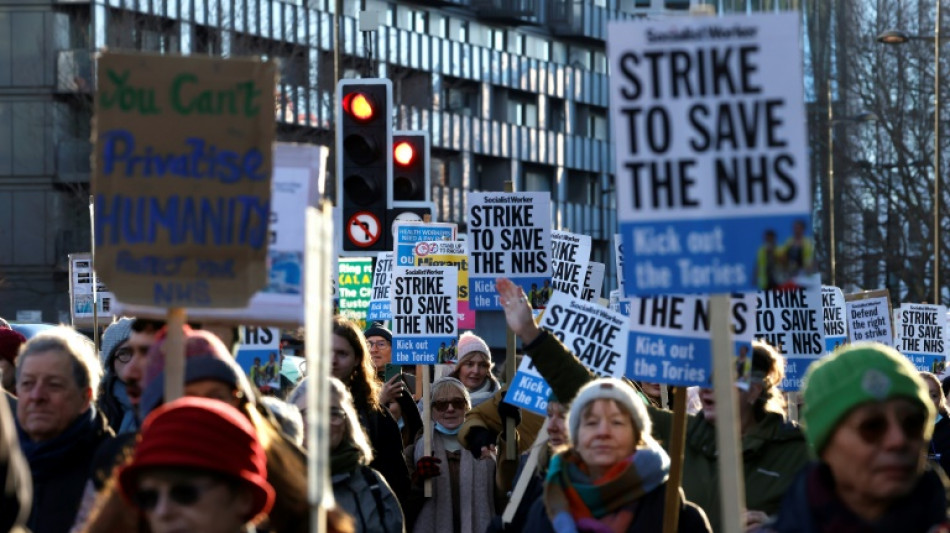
(288, 418)
(397, 391)
(463, 495)
(57, 423)
(867, 418)
(380, 342)
(613, 476)
(217, 483)
(353, 366)
(474, 367)
(10, 342)
(358, 489)
(773, 449)
(14, 476)
(132, 374)
(115, 355)
(939, 449)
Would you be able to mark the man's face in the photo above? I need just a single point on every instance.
(49, 400)
(380, 350)
(8, 373)
(133, 373)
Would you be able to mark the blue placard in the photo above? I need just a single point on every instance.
(379, 310)
(419, 350)
(529, 392)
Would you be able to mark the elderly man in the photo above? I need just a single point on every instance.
(867, 419)
(59, 428)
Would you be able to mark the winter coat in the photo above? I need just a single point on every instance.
(773, 451)
(384, 436)
(939, 449)
(365, 496)
(804, 510)
(60, 468)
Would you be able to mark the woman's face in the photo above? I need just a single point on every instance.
(344, 359)
(473, 371)
(935, 393)
(449, 408)
(605, 437)
(651, 389)
(174, 502)
(337, 422)
(557, 425)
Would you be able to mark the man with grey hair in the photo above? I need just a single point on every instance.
(57, 376)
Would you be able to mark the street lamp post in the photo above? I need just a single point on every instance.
(900, 37)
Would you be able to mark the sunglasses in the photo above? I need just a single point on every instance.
(441, 405)
(873, 428)
(186, 494)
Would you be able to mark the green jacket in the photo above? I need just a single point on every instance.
(773, 451)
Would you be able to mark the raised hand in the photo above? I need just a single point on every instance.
(517, 310)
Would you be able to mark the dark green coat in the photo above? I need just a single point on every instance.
(773, 451)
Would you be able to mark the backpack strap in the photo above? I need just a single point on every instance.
(377, 491)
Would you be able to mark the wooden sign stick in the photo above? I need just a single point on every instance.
(175, 354)
(671, 511)
(526, 474)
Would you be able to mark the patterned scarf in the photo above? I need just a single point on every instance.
(574, 502)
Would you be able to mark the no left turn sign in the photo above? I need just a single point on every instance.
(363, 229)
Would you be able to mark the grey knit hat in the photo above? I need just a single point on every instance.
(114, 335)
(609, 389)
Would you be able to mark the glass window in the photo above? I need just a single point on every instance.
(537, 180)
(438, 25)
(420, 22)
(458, 30)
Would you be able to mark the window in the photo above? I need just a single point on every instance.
(523, 109)
(583, 188)
(557, 118)
(142, 32)
(460, 96)
(458, 30)
(497, 39)
(420, 21)
(537, 179)
(293, 59)
(207, 41)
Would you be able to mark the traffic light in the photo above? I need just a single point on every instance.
(363, 136)
(410, 167)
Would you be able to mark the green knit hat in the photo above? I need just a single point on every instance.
(860, 373)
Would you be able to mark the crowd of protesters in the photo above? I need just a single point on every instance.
(88, 442)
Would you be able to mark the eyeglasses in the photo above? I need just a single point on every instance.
(377, 344)
(441, 405)
(873, 428)
(337, 415)
(124, 355)
(186, 494)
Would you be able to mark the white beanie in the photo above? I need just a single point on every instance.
(469, 343)
(609, 389)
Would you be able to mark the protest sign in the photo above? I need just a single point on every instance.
(570, 255)
(425, 313)
(710, 149)
(355, 286)
(379, 304)
(298, 175)
(790, 320)
(454, 254)
(407, 234)
(834, 317)
(182, 177)
(530, 391)
(509, 235)
(670, 340)
(595, 334)
(82, 282)
(260, 357)
(618, 264)
(869, 317)
(593, 281)
(921, 336)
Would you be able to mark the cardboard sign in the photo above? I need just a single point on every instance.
(425, 319)
(453, 254)
(710, 148)
(834, 317)
(670, 341)
(355, 286)
(791, 321)
(869, 317)
(182, 177)
(593, 281)
(82, 282)
(570, 255)
(298, 174)
(530, 391)
(595, 334)
(259, 355)
(379, 304)
(407, 234)
(921, 336)
(509, 236)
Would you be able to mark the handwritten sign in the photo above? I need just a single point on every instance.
(425, 309)
(595, 334)
(182, 177)
(869, 317)
(710, 147)
(379, 303)
(670, 341)
(790, 320)
(509, 236)
(833, 312)
(593, 281)
(921, 336)
(454, 254)
(570, 255)
(530, 391)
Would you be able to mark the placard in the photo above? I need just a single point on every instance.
(82, 280)
(355, 286)
(869, 317)
(379, 303)
(530, 391)
(593, 281)
(407, 234)
(835, 317)
(791, 321)
(509, 235)
(260, 356)
(595, 334)
(453, 254)
(709, 131)
(425, 313)
(921, 336)
(570, 255)
(182, 165)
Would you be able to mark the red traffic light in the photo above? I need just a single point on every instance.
(359, 106)
(404, 153)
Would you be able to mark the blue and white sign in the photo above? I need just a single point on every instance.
(791, 321)
(921, 335)
(260, 357)
(670, 341)
(833, 312)
(425, 313)
(595, 334)
(530, 391)
(408, 234)
(710, 150)
(509, 235)
(379, 303)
